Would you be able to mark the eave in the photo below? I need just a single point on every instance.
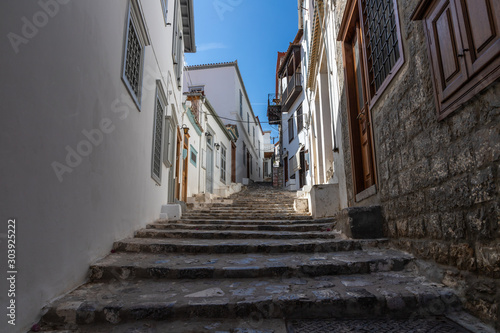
(188, 26)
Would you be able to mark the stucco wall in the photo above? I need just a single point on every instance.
(64, 80)
(439, 181)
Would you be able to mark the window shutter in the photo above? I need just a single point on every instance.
(480, 24)
(446, 49)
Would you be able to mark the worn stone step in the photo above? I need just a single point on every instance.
(151, 245)
(261, 227)
(187, 325)
(130, 266)
(244, 210)
(396, 294)
(185, 220)
(231, 216)
(233, 234)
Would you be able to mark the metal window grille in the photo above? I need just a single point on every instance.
(157, 145)
(300, 119)
(290, 129)
(223, 164)
(382, 46)
(133, 59)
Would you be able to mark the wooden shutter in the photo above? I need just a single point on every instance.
(480, 24)
(446, 50)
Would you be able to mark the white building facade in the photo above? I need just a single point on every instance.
(94, 93)
(223, 85)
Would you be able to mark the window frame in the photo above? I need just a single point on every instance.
(291, 132)
(241, 104)
(193, 152)
(177, 42)
(164, 6)
(134, 18)
(373, 97)
(160, 99)
(300, 119)
(475, 78)
(223, 163)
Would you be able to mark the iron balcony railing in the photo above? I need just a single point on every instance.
(293, 88)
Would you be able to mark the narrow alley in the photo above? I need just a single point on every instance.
(250, 263)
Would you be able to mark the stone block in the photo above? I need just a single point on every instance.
(325, 200)
(172, 212)
(462, 256)
(361, 222)
(301, 205)
(488, 260)
(453, 226)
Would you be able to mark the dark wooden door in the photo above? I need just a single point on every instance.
(185, 168)
(302, 170)
(248, 164)
(362, 113)
(233, 162)
(177, 166)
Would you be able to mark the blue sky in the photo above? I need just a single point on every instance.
(250, 31)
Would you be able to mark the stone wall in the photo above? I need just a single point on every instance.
(438, 181)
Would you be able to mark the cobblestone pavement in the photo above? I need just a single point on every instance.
(433, 325)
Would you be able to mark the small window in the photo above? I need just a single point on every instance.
(290, 128)
(258, 147)
(223, 151)
(244, 153)
(197, 89)
(157, 157)
(253, 128)
(384, 51)
(300, 119)
(164, 7)
(193, 156)
(135, 42)
(248, 124)
(241, 104)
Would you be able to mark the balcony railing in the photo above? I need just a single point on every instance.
(293, 89)
(274, 108)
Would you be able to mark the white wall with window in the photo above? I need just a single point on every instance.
(97, 138)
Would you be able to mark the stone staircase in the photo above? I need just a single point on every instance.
(247, 264)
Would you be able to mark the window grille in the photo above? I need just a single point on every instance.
(290, 129)
(241, 104)
(223, 164)
(157, 140)
(300, 119)
(382, 44)
(133, 59)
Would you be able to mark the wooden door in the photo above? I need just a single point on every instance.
(185, 168)
(362, 112)
(210, 169)
(302, 170)
(177, 166)
(233, 162)
(248, 164)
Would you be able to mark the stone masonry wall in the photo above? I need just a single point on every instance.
(438, 181)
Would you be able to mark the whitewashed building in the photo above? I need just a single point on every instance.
(91, 109)
(208, 151)
(223, 84)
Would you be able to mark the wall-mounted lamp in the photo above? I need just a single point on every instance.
(217, 146)
(185, 129)
(208, 134)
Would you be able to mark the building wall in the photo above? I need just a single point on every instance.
(438, 180)
(66, 79)
(222, 87)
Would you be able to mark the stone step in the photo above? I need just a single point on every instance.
(233, 234)
(260, 227)
(188, 325)
(244, 210)
(131, 266)
(185, 220)
(396, 294)
(232, 216)
(216, 246)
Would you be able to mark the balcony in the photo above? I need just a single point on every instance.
(274, 109)
(292, 91)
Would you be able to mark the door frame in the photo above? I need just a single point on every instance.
(352, 29)
(178, 165)
(185, 166)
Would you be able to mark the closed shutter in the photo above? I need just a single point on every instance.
(446, 49)
(480, 23)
